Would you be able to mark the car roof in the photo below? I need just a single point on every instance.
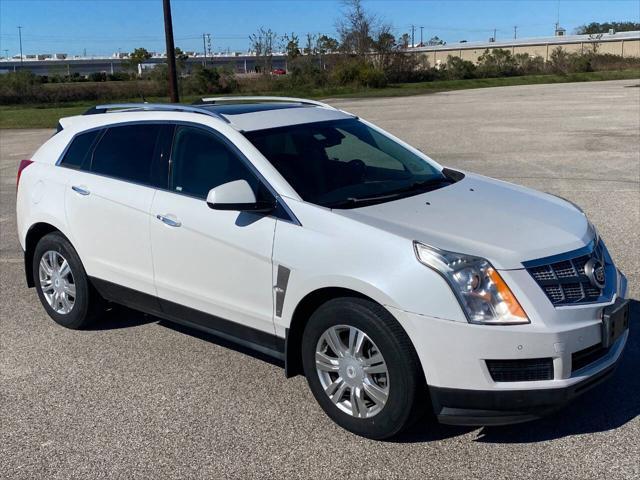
(266, 116)
(242, 113)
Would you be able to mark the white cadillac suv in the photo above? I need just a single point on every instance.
(396, 286)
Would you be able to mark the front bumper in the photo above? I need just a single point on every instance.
(505, 407)
(463, 391)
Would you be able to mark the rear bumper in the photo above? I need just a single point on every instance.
(503, 407)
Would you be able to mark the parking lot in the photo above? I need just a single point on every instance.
(140, 398)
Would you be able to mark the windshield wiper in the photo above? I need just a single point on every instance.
(420, 185)
(423, 184)
(353, 201)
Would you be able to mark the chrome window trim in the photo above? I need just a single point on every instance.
(292, 217)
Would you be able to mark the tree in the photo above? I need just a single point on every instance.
(384, 45)
(595, 27)
(327, 44)
(435, 41)
(404, 40)
(356, 28)
(262, 43)
(138, 56)
(291, 46)
(181, 59)
(310, 48)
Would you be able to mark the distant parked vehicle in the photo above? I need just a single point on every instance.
(306, 233)
(279, 71)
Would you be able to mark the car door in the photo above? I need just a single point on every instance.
(212, 267)
(108, 201)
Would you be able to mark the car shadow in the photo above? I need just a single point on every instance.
(117, 317)
(608, 406)
(212, 338)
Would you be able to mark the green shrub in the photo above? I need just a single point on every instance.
(459, 69)
(357, 72)
(529, 65)
(306, 72)
(118, 76)
(497, 63)
(98, 77)
(558, 61)
(580, 63)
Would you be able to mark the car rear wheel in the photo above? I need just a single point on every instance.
(362, 368)
(62, 284)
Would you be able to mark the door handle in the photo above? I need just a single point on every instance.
(82, 190)
(168, 221)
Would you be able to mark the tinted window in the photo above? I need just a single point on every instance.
(79, 149)
(127, 152)
(201, 161)
(345, 163)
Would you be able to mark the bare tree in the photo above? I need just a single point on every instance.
(356, 28)
(262, 44)
(311, 47)
(384, 45)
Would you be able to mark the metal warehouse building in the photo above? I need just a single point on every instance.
(624, 44)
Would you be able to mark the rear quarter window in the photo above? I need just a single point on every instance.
(78, 152)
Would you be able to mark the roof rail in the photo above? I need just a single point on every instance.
(159, 107)
(259, 99)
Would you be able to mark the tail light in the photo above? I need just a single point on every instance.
(23, 164)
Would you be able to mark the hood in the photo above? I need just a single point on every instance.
(504, 223)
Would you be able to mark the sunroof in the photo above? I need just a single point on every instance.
(240, 108)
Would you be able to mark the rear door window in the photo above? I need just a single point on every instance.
(127, 152)
(79, 150)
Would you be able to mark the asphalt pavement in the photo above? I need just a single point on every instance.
(140, 398)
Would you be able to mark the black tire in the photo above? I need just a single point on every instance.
(407, 397)
(88, 305)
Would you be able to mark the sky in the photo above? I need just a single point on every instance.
(102, 27)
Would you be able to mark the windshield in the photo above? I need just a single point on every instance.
(345, 163)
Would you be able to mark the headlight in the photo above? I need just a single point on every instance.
(483, 294)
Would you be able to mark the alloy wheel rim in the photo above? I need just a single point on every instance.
(352, 371)
(57, 282)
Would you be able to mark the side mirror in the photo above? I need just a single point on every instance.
(237, 195)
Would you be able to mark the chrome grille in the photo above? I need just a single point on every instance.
(563, 279)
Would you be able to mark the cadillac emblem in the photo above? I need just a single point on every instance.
(594, 269)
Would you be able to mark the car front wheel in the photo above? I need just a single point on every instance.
(362, 368)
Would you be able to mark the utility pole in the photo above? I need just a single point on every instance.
(421, 29)
(171, 53)
(20, 35)
(413, 31)
(6, 53)
(515, 32)
(204, 49)
(495, 31)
